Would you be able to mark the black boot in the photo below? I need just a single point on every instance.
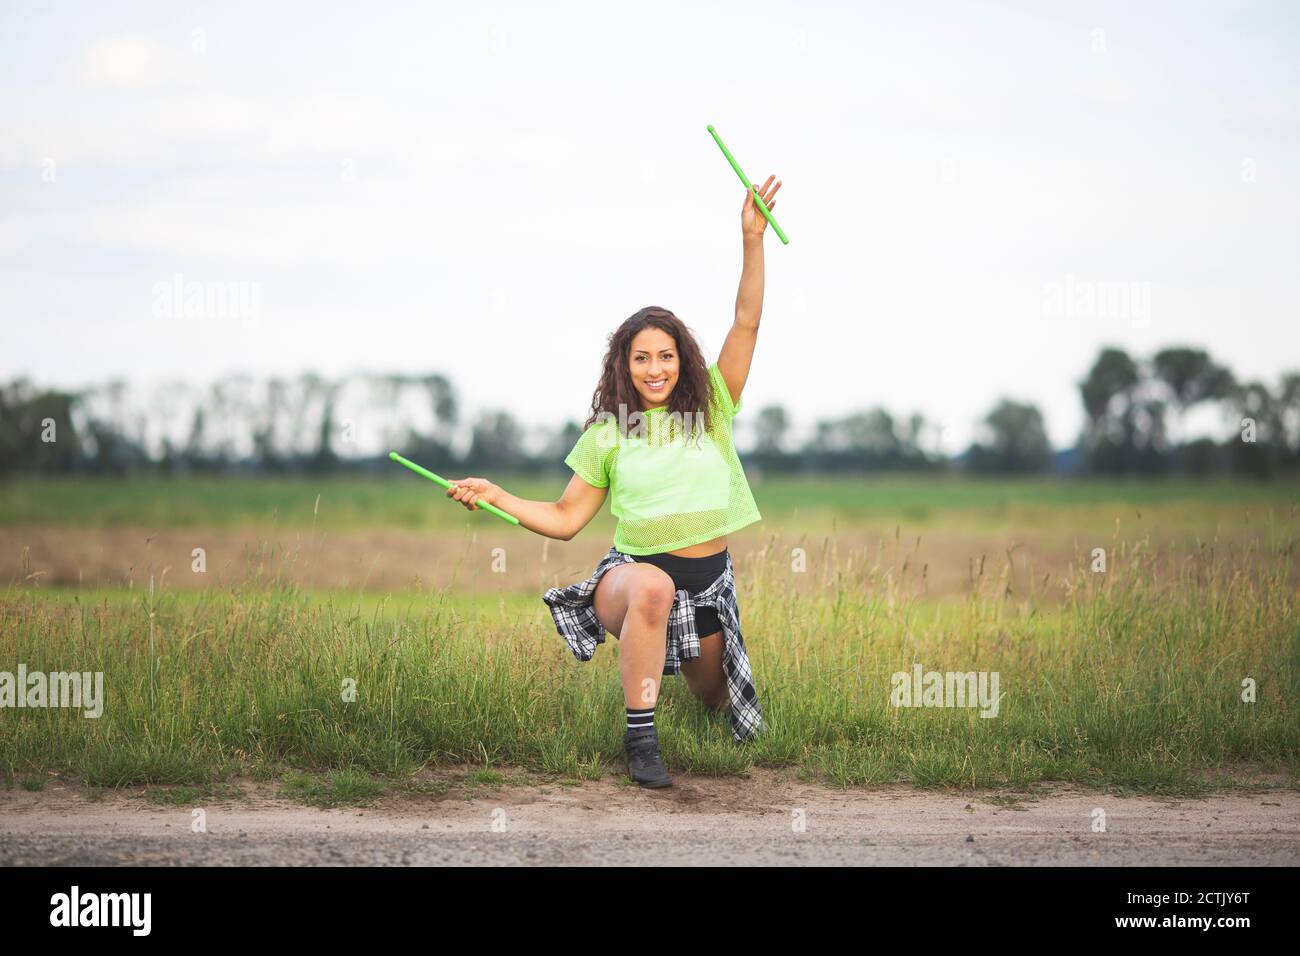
(644, 765)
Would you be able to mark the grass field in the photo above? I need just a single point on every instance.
(811, 503)
(1132, 679)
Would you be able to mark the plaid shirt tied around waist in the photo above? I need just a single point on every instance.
(576, 621)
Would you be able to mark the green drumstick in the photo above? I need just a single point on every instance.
(438, 479)
(748, 185)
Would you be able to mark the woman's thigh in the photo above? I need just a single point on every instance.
(628, 586)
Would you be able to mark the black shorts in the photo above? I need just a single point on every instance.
(693, 575)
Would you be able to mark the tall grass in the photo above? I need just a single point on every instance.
(1135, 681)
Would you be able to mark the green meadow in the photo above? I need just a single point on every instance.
(816, 503)
(1164, 676)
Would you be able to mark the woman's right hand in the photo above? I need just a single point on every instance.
(752, 220)
(470, 491)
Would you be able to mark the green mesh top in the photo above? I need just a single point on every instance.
(666, 490)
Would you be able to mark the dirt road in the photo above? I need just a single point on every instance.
(769, 818)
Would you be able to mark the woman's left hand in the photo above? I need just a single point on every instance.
(752, 220)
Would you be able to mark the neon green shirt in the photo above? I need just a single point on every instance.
(668, 492)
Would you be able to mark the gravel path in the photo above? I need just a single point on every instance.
(699, 821)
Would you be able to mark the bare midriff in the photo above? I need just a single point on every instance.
(703, 549)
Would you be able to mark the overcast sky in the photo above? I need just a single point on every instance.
(978, 195)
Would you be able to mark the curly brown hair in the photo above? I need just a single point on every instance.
(692, 394)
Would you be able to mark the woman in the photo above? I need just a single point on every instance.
(659, 438)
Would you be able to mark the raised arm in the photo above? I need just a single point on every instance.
(738, 348)
(554, 519)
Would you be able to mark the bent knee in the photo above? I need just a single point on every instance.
(716, 699)
(653, 596)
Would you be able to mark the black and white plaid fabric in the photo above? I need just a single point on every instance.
(576, 622)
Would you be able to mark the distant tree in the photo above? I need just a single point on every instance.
(872, 434)
(325, 458)
(1191, 377)
(1259, 448)
(1203, 457)
(1014, 441)
(911, 443)
(446, 411)
(773, 423)
(1113, 375)
(560, 444)
(266, 421)
(193, 454)
(915, 429)
(243, 423)
(1289, 416)
(865, 440)
(1124, 429)
(37, 433)
(497, 441)
(434, 392)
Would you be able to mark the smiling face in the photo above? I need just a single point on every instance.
(653, 362)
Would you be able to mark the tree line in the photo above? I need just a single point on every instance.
(1135, 412)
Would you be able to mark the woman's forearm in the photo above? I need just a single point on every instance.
(547, 518)
(749, 298)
